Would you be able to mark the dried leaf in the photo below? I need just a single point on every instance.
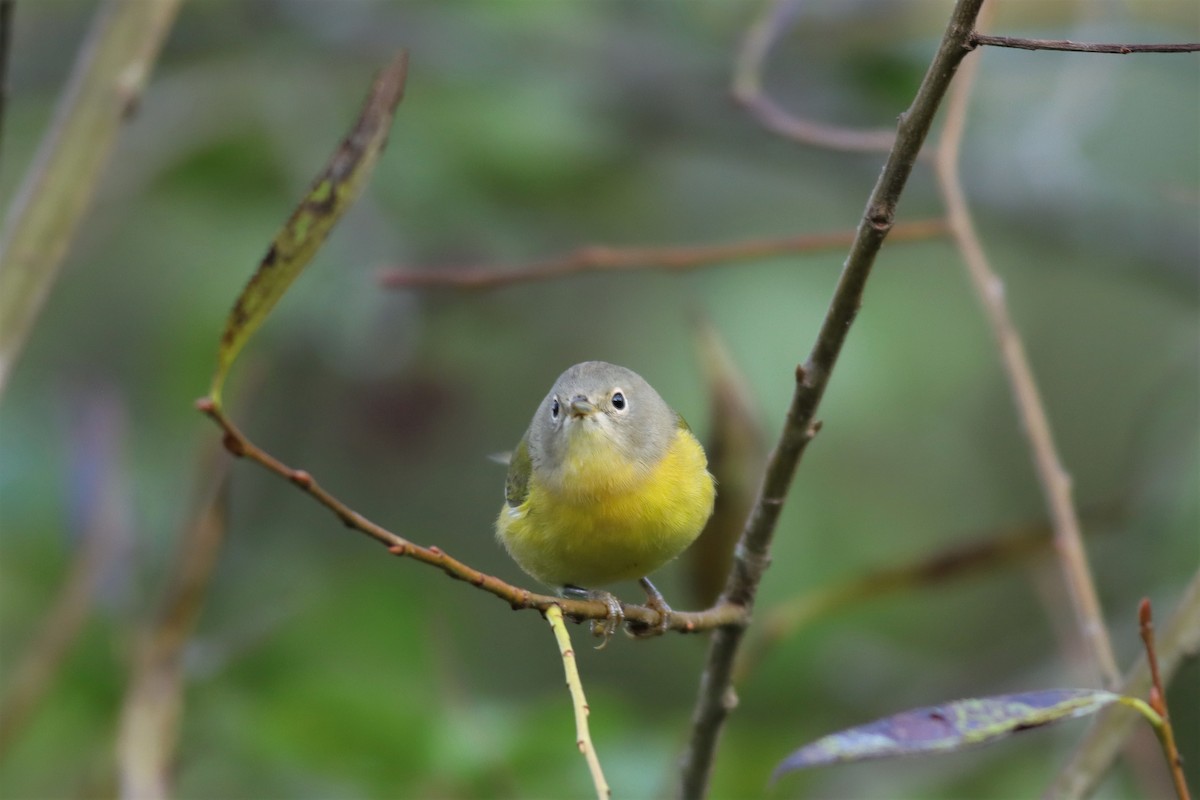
(950, 727)
(334, 191)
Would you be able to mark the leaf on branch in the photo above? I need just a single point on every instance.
(951, 727)
(334, 191)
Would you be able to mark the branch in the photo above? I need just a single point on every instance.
(105, 86)
(715, 697)
(148, 731)
(600, 258)
(1178, 639)
(748, 92)
(583, 736)
(1080, 47)
(1053, 477)
(1158, 701)
(720, 615)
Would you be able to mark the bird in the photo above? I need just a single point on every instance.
(607, 484)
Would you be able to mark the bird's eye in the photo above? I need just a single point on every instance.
(618, 400)
(554, 409)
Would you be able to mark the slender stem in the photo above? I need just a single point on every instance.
(1179, 638)
(720, 615)
(148, 731)
(715, 699)
(601, 258)
(104, 89)
(1158, 701)
(1053, 477)
(1081, 47)
(583, 737)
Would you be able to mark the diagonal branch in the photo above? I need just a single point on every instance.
(106, 84)
(1053, 477)
(583, 736)
(715, 698)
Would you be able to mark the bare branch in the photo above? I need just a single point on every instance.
(714, 700)
(1080, 47)
(599, 258)
(1055, 482)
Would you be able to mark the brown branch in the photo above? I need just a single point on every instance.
(1080, 47)
(599, 258)
(715, 698)
(1053, 477)
(723, 614)
(748, 92)
(1158, 701)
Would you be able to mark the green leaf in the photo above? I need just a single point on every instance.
(334, 191)
(951, 727)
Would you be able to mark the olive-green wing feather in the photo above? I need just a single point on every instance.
(680, 422)
(516, 485)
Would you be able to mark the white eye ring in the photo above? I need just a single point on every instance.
(554, 409)
(618, 400)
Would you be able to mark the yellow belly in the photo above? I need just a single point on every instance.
(608, 525)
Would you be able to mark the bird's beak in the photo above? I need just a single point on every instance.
(580, 407)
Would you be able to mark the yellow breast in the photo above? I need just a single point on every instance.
(608, 520)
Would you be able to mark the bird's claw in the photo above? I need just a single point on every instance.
(615, 617)
(655, 602)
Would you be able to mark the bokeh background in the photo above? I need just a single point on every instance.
(321, 666)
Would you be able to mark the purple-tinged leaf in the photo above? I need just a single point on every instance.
(950, 727)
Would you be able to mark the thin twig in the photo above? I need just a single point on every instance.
(105, 87)
(720, 615)
(1178, 639)
(1053, 477)
(1081, 47)
(583, 737)
(153, 708)
(1158, 701)
(715, 697)
(599, 258)
(748, 92)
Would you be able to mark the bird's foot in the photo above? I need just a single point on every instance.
(654, 601)
(613, 620)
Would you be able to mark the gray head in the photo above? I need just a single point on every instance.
(592, 398)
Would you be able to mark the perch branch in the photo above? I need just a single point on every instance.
(583, 737)
(715, 698)
(720, 615)
(599, 258)
(1081, 47)
(1053, 477)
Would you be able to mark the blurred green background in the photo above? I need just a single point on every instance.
(322, 667)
